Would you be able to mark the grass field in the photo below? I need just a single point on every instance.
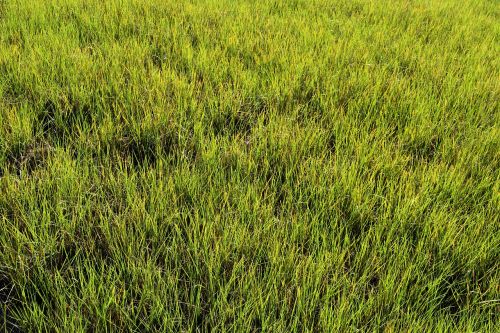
(247, 166)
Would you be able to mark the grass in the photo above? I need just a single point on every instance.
(247, 166)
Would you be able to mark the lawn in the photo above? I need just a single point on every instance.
(249, 166)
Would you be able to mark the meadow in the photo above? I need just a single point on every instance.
(249, 166)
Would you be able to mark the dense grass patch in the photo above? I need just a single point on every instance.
(247, 166)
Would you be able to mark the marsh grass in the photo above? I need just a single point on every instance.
(249, 166)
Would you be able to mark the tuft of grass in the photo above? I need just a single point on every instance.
(249, 166)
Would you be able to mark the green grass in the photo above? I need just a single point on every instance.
(246, 166)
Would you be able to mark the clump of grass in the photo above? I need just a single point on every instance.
(249, 166)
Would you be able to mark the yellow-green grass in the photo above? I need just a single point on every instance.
(246, 166)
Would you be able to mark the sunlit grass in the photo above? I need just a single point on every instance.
(277, 166)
